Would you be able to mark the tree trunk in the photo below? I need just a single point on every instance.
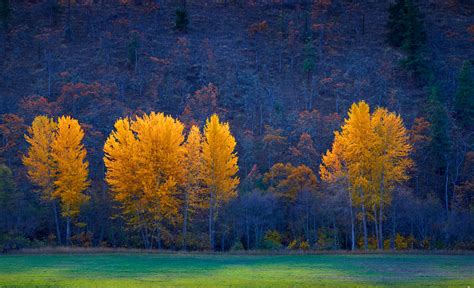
(380, 244)
(185, 221)
(376, 227)
(392, 240)
(211, 221)
(446, 191)
(56, 220)
(364, 224)
(352, 222)
(381, 225)
(68, 231)
(364, 220)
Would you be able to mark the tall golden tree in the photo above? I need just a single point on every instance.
(219, 168)
(39, 162)
(71, 168)
(391, 162)
(372, 153)
(193, 189)
(144, 160)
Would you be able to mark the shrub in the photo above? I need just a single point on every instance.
(404, 243)
(425, 243)
(304, 245)
(272, 240)
(293, 245)
(238, 246)
(83, 239)
(386, 244)
(13, 242)
(325, 239)
(372, 243)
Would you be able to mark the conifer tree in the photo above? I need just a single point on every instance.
(440, 145)
(464, 98)
(5, 12)
(406, 31)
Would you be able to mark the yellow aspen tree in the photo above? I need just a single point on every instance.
(358, 138)
(391, 161)
(120, 152)
(333, 169)
(220, 167)
(144, 161)
(71, 169)
(39, 162)
(192, 194)
(372, 153)
(160, 159)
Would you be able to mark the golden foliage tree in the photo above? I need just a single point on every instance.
(372, 153)
(144, 160)
(39, 162)
(286, 180)
(193, 190)
(219, 167)
(71, 168)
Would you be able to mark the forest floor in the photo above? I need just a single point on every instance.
(204, 270)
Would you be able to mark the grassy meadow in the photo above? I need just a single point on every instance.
(202, 270)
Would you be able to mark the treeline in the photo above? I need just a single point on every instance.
(174, 187)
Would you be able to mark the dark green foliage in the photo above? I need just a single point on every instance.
(439, 131)
(13, 241)
(309, 62)
(5, 11)
(464, 98)
(181, 19)
(395, 25)
(406, 31)
(9, 197)
(132, 50)
(7, 189)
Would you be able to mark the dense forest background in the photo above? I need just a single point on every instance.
(282, 73)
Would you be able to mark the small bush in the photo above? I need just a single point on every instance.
(304, 245)
(272, 240)
(386, 244)
(404, 243)
(372, 242)
(238, 246)
(325, 239)
(13, 242)
(293, 245)
(425, 243)
(83, 239)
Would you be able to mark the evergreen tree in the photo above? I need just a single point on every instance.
(406, 31)
(464, 98)
(9, 198)
(439, 132)
(395, 25)
(5, 11)
(414, 40)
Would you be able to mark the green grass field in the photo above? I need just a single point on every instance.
(156, 270)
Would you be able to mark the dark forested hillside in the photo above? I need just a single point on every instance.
(284, 75)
